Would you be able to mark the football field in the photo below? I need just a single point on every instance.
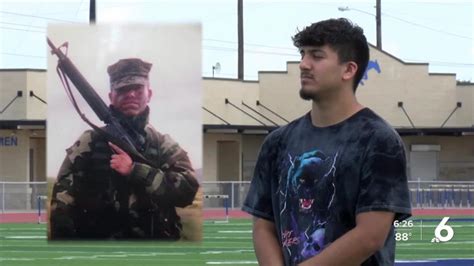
(223, 244)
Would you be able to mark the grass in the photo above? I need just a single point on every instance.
(223, 243)
(419, 245)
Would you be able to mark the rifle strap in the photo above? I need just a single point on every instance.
(70, 94)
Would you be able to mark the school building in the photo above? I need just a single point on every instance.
(433, 113)
(22, 136)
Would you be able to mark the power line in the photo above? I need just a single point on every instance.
(7, 28)
(228, 49)
(23, 55)
(24, 25)
(429, 28)
(449, 3)
(33, 16)
(405, 21)
(251, 44)
(441, 62)
(423, 18)
(79, 8)
(212, 40)
(272, 53)
(216, 48)
(451, 64)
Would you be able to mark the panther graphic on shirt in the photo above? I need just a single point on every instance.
(306, 197)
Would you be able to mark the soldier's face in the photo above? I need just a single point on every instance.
(131, 100)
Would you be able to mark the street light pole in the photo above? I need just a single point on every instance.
(378, 20)
(92, 12)
(240, 35)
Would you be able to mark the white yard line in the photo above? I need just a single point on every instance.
(228, 237)
(228, 224)
(227, 251)
(235, 231)
(236, 262)
(17, 259)
(428, 260)
(22, 229)
(400, 244)
(25, 237)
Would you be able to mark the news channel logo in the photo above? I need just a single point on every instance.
(405, 230)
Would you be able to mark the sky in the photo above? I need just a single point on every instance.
(438, 32)
(170, 113)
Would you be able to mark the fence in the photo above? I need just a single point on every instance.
(423, 194)
(442, 194)
(237, 191)
(22, 196)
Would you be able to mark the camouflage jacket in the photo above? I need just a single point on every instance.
(90, 200)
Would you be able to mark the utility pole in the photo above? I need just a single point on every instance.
(92, 12)
(240, 26)
(378, 18)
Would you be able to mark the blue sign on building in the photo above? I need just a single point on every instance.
(373, 64)
(8, 141)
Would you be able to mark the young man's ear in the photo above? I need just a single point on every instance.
(350, 70)
(150, 93)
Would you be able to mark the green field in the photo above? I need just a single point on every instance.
(224, 244)
(419, 245)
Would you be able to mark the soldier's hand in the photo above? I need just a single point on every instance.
(121, 161)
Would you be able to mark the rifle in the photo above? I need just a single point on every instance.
(114, 131)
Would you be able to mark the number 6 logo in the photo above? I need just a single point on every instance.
(442, 226)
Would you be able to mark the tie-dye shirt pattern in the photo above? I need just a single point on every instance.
(312, 182)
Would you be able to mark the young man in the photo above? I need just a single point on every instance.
(102, 193)
(328, 186)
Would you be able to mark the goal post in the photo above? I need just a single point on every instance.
(41, 205)
(217, 214)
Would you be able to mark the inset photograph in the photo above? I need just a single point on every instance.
(124, 149)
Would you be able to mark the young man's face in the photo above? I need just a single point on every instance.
(320, 71)
(131, 100)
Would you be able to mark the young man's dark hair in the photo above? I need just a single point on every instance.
(345, 38)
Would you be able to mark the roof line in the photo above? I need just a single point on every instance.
(231, 79)
(23, 69)
(240, 109)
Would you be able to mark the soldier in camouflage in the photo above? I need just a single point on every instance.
(100, 193)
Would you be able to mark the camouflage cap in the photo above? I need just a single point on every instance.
(128, 71)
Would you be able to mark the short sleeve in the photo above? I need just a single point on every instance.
(259, 198)
(383, 183)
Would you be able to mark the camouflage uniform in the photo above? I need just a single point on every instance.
(90, 200)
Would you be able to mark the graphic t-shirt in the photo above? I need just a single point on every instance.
(312, 182)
